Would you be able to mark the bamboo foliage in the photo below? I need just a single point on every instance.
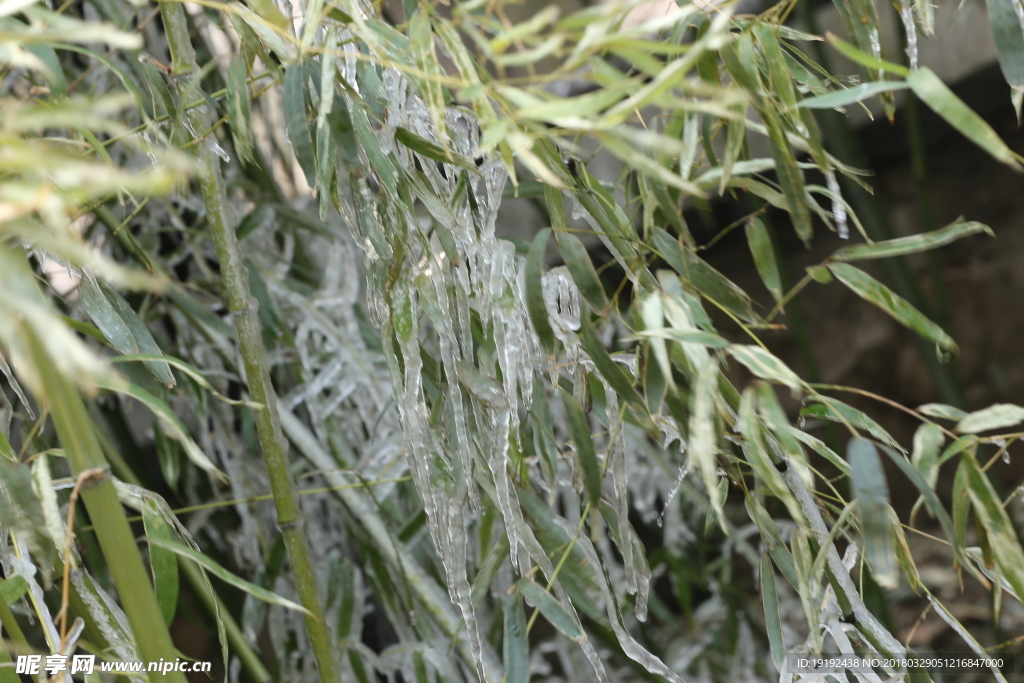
(498, 436)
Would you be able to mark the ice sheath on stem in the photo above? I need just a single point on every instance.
(257, 367)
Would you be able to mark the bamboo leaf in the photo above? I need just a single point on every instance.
(535, 291)
(421, 43)
(204, 561)
(430, 150)
(582, 269)
(587, 456)
(162, 562)
(942, 411)
(142, 337)
(168, 420)
(296, 97)
(13, 588)
(790, 178)
(611, 371)
(238, 109)
(765, 365)
(550, 608)
(933, 92)
(1004, 18)
(867, 61)
(760, 243)
(515, 642)
(994, 417)
(832, 409)
(847, 96)
(773, 621)
(872, 495)
(873, 291)
(913, 244)
(927, 440)
(702, 446)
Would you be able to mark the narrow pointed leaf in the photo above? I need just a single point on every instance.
(535, 291)
(296, 95)
(847, 96)
(515, 643)
(871, 290)
(994, 417)
(912, 244)
(580, 430)
(760, 243)
(550, 608)
(772, 619)
(765, 365)
(872, 495)
(582, 269)
(162, 562)
(238, 109)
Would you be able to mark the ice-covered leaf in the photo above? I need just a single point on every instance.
(552, 610)
(515, 642)
(586, 455)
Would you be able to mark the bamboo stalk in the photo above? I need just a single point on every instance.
(257, 368)
(74, 428)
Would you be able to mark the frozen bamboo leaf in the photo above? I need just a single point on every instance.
(580, 430)
(760, 243)
(535, 291)
(1004, 16)
(975, 553)
(828, 408)
(220, 572)
(485, 389)
(772, 619)
(106, 317)
(428, 149)
(421, 44)
(772, 539)
(868, 61)
(515, 642)
(552, 610)
(158, 88)
(162, 562)
(170, 422)
(238, 109)
(913, 244)
(765, 365)
(873, 291)
(582, 269)
(851, 95)
(612, 372)
(872, 495)
(932, 91)
(493, 561)
(983, 654)
(708, 282)
(997, 416)
(267, 28)
(296, 97)
(6, 450)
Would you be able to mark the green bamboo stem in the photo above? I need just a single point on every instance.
(257, 368)
(74, 428)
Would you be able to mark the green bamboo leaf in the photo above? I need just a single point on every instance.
(975, 553)
(772, 619)
(194, 374)
(943, 411)
(13, 588)
(994, 417)
(828, 408)
(902, 549)
(516, 642)
(765, 365)
(873, 291)
(535, 291)
(772, 539)
(779, 76)
(913, 244)
(582, 269)
(580, 430)
(6, 450)
(847, 96)
(551, 609)
(708, 339)
(161, 561)
(991, 515)
(543, 432)
(492, 562)
(143, 338)
(223, 574)
(430, 150)
(930, 89)
(865, 60)
(106, 317)
(238, 109)
(872, 495)
(421, 44)
(790, 178)
(168, 420)
(296, 99)
(927, 440)
(158, 88)
(760, 243)
(1009, 38)
(702, 446)
(611, 371)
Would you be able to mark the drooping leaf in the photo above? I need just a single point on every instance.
(765, 365)
(872, 495)
(580, 430)
(162, 562)
(851, 95)
(773, 621)
(913, 244)
(873, 291)
(582, 269)
(238, 109)
(535, 291)
(552, 610)
(994, 417)
(296, 98)
(515, 642)
(760, 243)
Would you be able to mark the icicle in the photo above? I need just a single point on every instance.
(910, 27)
(214, 147)
(838, 208)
